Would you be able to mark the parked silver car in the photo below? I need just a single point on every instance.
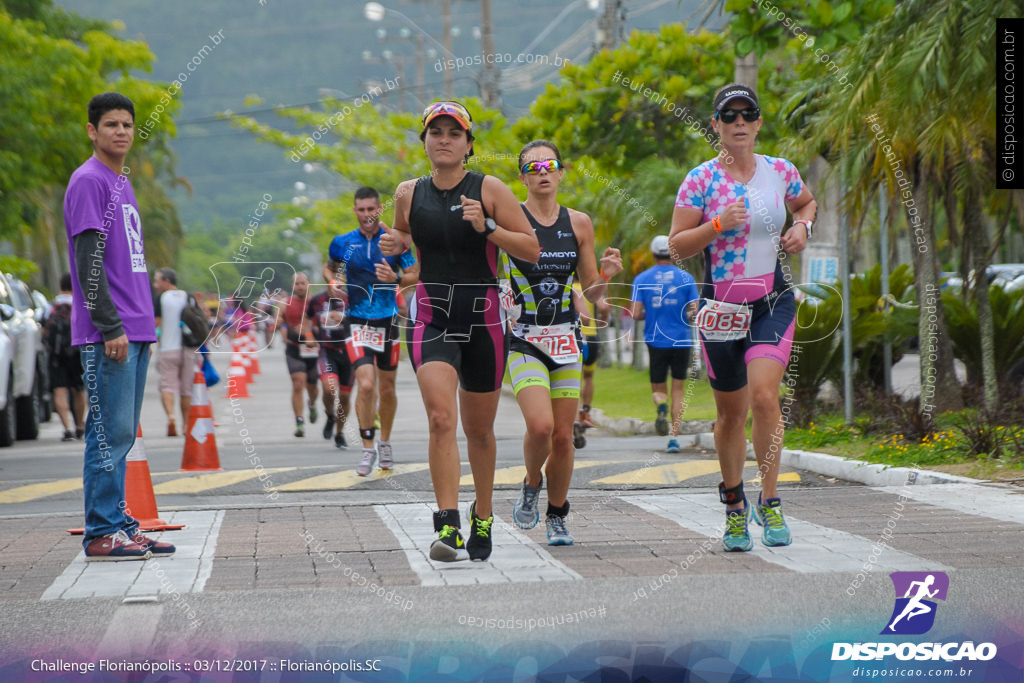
(19, 321)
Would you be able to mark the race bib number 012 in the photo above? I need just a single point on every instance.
(558, 342)
(722, 321)
(372, 338)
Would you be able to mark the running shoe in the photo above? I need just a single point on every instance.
(449, 546)
(661, 423)
(776, 531)
(524, 511)
(339, 441)
(329, 427)
(366, 464)
(479, 543)
(172, 429)
(672, 447)
(737, 536)
(158, 548)
(115, 547)
(300, 428)
(387, 460)
(558, 534)
(312, 413)
(68, 435)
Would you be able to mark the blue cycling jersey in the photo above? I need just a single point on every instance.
(368, 297)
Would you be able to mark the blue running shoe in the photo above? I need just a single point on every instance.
(524, 512)
(776, 531)
(558, 533)
(672, 447)
(737, 536)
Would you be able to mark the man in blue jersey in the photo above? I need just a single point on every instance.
(373, 348)
(667, 297)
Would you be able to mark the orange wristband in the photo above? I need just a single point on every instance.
(603, 275)
(716, 223)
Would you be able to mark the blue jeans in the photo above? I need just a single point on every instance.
(113, 407)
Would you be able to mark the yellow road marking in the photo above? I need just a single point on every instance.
(516, 474)
(348, 478)
(213, 480)
(20, 494)
(783, 476)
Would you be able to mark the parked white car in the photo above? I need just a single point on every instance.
(28, 355)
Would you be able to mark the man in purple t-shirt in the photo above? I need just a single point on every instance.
(111, 324)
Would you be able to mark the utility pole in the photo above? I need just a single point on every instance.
(491, 93)
(449, 75)
(610, 26)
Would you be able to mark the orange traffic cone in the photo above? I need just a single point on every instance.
(247, 364)
(200, 452)
(138, 487)
(254, 355)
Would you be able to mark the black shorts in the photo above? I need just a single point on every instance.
(66, 373)
(335, 362)
(592, 352)
(675, 357)
(297, 364)
(770, 336)
(387, 359)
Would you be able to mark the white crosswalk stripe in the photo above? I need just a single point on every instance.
(185, 572)
(1002, 504)
(816, 548)
(515, 559)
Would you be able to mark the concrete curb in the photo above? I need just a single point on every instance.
(868, 473)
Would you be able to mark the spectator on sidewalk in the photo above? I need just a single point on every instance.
(65, 364)
(112, 323)
(176, 361)
(667, 297)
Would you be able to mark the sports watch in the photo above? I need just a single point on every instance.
(808, 224)
(489, 226)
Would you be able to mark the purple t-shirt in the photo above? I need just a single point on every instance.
(99, 199)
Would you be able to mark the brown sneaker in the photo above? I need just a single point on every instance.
(172, 429)
(114, 548)
(158, 548)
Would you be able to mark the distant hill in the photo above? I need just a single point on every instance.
(286, 52)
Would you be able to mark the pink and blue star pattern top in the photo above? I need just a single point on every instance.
(743, 263)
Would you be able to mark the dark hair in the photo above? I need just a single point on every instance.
(65, 282)
(367, 193)
(108, 101)
(169, 275)
(534, 144)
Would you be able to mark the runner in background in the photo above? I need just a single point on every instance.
(326, 325)
(372, 281)
(590, 315)
(300, 358)
(666, 296)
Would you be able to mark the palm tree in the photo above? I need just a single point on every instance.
(918, 118)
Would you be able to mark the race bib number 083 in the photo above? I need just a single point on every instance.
(722, 321)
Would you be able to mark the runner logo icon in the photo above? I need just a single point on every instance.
(916, 593)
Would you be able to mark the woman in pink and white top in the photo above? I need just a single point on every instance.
(734, 209)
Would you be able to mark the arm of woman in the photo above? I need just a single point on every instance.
(398, 238)
(594, 284)
(514, 233)
(803, 208)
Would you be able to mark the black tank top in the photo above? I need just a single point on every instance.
(544, 289)
(450, 250)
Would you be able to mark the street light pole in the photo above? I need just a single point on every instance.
(491, 94)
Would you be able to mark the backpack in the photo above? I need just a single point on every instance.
(195, 328)
(58, 332)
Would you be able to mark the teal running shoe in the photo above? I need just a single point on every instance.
(737, 536)
(776, 531)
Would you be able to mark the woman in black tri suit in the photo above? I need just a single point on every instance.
(545, 363)
(458, 221)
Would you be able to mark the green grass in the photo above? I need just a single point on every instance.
(625, 392)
